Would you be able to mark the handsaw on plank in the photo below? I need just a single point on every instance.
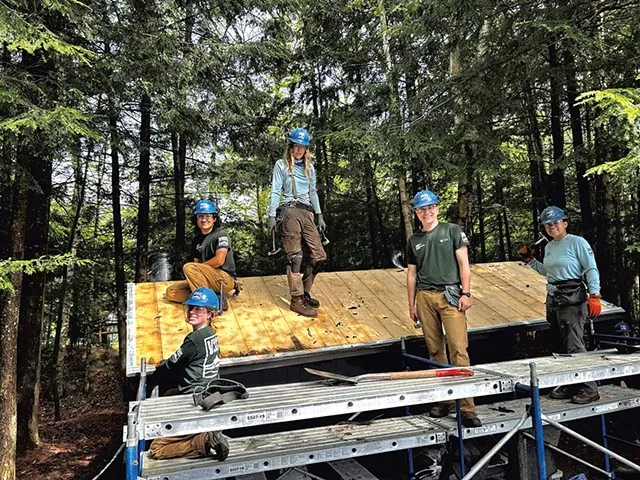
(432, 373)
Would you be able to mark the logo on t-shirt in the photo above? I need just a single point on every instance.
(176, 355)
(223, 242)
(464, 238)
(211, 363)
(444, 240)
(419, 246)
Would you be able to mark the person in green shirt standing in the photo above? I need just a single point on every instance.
(439, 293)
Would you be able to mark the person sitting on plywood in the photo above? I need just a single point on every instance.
(213, 265)
(194, 364)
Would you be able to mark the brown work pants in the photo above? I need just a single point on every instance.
(298, 226)
(180, 446)
(199, 275)
(436, 312)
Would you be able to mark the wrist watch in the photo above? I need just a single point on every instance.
(467, 294)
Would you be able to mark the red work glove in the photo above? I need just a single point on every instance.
(526, 254)
(593, 305)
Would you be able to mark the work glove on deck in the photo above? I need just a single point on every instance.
(593, 305)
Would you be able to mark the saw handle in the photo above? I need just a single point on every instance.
(433, 373)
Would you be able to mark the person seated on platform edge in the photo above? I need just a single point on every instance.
(568, 263)
(213, 264)
(439, 293)
(195, 363)
(294, 179)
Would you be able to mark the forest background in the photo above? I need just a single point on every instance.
(118, 115)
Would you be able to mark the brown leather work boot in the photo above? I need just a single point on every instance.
(298, 305)
(585, 395)
(216, 445)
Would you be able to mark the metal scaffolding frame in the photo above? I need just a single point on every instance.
(158, 417)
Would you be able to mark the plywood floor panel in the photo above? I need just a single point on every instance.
(360, 307)
(148, 338)
(254, 333)
(276, 326)
(306, 332)
(353, 331)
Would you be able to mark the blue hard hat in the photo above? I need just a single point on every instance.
(552, 215)
(622, 328)
(424, 198)
(204, 206)
(300, 136)
(203, 297)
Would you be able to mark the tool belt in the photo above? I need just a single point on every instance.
(569, 292)
(301, 205)
(218, 392)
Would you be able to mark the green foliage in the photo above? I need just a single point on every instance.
(619, 111)
(43, 264)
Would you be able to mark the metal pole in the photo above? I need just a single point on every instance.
(591, 443)
(427, 361)
(142, 384)
(605, 443)
(407, 412)
(140, 396)
(536, 421)
(484, 460)
(460, 440)
(572, 457)
(131, 452)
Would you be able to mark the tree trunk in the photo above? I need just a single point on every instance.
(32, 306)
(584, 193)
(498, 200)
(144, 185)
(9, 317)
(64, 308)
(179, 148)
(481, 233)
(557, 192)
(395, 120)
(118, 242)
(537, 174)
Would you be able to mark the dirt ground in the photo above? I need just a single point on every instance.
(90, 432)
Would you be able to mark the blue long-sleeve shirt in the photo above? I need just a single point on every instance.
(281, 184)
(568, 259)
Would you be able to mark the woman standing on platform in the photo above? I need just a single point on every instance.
(294, 200)
(568, 263)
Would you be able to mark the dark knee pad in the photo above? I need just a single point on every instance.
(295, 261)
(319, 266)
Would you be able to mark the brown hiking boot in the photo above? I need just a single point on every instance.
(298, 305)
(216, 445)
(470, 420)
(311, 301)
(440, 410)
(562, 392)
(585, 395)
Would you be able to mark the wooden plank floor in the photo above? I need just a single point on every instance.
(357, 307)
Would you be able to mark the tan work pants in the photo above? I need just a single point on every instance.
(199, 275)
(435, 312)
(298, 225)
(180, 446)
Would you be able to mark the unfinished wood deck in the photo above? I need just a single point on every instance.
(358, 308)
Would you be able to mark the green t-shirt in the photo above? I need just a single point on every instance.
(433, 254)
(196, 362)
